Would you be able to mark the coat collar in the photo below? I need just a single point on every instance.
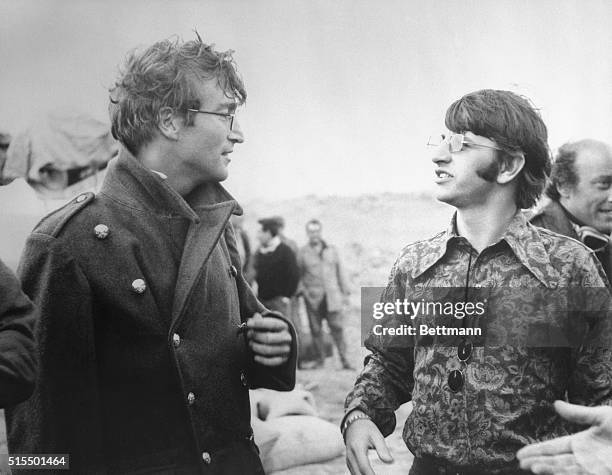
(208, 209)
(555, 218)
(523, 239)
(131, 183)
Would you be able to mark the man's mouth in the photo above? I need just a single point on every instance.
(442, 174)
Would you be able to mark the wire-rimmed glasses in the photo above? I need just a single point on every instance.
(455, 142)
(228, 115)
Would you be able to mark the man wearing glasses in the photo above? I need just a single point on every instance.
(476, 401)
(149, 336)
(580, 192)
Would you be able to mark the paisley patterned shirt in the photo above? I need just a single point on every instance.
(506, 399)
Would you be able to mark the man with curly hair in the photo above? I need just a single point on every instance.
(539, 327)
(149, 336)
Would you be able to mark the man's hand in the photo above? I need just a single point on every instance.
(361, 436)
(586, 452)
(269, 339)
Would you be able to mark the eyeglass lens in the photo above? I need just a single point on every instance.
(456, 378)
(455, 142)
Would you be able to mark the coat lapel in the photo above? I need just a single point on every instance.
(202, 237)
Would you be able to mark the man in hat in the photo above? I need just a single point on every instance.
(580, 192)
(149, 336)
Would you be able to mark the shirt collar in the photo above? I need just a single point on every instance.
(523, 239)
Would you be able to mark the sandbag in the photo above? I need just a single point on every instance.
(301, 440)
(268, 404)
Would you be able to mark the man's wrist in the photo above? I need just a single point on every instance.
(353, 416)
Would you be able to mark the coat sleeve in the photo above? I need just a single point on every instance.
(280, 378)
(18, 363)
(387, 380)
(62, 416)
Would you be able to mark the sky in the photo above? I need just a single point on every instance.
(342, 94)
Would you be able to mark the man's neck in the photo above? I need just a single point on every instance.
(484, 226)
(153, 157)
(316, 245)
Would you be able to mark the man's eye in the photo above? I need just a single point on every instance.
(603, 185)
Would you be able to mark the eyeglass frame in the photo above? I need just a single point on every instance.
(230, 115)
(447, 140)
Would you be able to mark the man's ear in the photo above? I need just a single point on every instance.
(168, 124)
(511, 166)
(564, 190)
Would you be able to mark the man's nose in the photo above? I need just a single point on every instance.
(236, 134)
(441, 154)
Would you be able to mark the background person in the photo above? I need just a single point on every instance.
(325, 289)
(580, 192)
(276, 270)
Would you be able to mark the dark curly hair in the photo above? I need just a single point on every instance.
(166, 74)
(516, 126)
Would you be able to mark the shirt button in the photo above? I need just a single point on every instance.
(101, 231)
(232, 271)
(243, 379)
(176, 340)
(190, 399)
(81, 198)
(206, 458)
(139, 286)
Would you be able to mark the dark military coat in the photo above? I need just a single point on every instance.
(144, 362)
(554, 218)
(17, 351)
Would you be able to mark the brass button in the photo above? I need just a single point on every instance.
(243, 379)
(81, 198)
(191, 399)
(176, 340)
(206, 458)
(101, 231)
(139, 286)
(233, 272)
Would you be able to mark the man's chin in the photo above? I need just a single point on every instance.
(444, 198)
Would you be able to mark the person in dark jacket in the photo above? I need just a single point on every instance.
(18, 363)
(580, 192)
(149, 336)
(276, 268)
